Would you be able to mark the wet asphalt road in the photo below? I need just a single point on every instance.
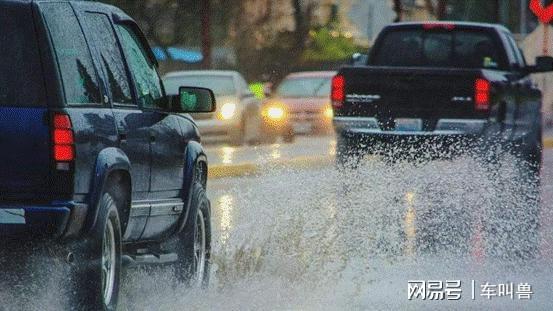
(320, 239)
(298, 239)
(304, 146)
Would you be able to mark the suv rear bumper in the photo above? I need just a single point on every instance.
(57, 220)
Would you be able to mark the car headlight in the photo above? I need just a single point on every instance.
(329, 113)
(275, 113)
(227, 111)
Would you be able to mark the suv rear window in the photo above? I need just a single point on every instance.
(21, 79)
(435, 48)
(78, 75)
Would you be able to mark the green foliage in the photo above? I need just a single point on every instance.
(329, 45)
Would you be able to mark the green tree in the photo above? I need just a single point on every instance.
(328, 45)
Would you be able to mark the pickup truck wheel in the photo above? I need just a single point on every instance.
(99, 261)
(194, 242)
(529, 228)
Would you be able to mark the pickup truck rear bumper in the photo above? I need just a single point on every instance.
(444, 127)
(450, 137)
(59, 219)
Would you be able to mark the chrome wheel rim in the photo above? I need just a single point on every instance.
(108, 261)
(199, 250)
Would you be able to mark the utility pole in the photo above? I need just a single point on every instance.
(206, 33)
(370, 22)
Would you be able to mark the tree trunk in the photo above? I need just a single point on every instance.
(497, 10)
(299, 20)
(206, 33)
(441, 12)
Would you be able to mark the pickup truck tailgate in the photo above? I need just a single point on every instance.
(429, 94)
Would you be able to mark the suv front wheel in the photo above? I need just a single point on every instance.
(193, 244)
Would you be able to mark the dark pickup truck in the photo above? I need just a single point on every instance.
(440, 82)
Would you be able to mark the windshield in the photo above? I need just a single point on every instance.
(304, 87)
(420, 48)
(21, 82)
(220, 85)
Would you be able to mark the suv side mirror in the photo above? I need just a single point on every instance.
(359, 59)
(543, 64)
(194, 99)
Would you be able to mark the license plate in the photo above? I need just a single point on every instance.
(12, 216)
(302, 127)
(408, 125)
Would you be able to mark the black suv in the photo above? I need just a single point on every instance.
(95, 155)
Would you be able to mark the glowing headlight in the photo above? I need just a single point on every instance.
(275, 113)
(227, 111)
(329, 113)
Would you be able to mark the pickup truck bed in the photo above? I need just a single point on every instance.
(439, 80)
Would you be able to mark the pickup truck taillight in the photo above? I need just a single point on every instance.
(482, 90)
(338, 93)
(62, 133)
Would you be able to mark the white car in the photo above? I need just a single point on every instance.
(237, 119)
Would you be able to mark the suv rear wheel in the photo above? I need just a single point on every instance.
(98, 261)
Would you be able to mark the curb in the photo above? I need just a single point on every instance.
(548, 142)
(249, 169)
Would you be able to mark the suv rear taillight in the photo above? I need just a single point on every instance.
(338, 93)
(62, 133)
(482, 91)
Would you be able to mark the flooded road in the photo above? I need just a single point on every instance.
(324, 240)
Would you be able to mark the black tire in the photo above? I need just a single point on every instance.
(528, 230)
(519, 241)
(535, 161)
(194, 264)
(98, 255)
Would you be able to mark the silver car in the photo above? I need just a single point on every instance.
(237, 119)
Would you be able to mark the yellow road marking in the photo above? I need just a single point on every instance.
(245, 169)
